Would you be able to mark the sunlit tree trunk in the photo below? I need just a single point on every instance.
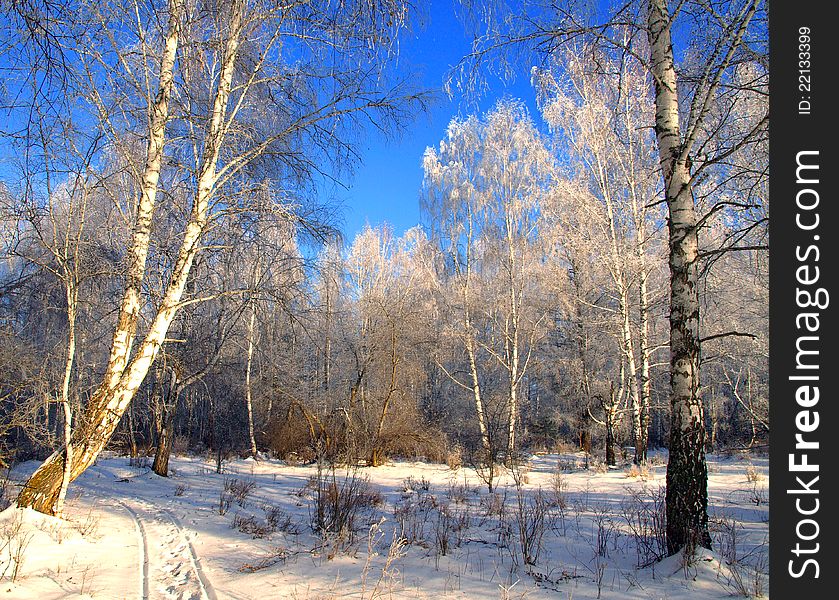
(469, 343)
(512, 336)
(643, 440)
(72, 294)
(687, 472)
(248, 393)
(129, 311)
(627, 344)
(639, 216)
(476, 394)
(115, 393)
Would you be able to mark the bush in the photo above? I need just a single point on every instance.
(291, 439)
(459, 492)
(277, 520)
(641, 472)
(644, 513)
(251, 526)
(531, 519)
(411, 484)
(336, 506)
(406, 436)
(413, 518)
(559, 490)
(239, 489)
(224, 500)
(753, 475)
(14, 540)
(454, 458)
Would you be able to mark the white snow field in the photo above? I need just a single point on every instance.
(422, 531)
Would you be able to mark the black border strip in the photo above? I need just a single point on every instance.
(801, 125)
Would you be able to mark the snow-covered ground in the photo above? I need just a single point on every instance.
(131, 534)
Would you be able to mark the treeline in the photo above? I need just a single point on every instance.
(528, 314)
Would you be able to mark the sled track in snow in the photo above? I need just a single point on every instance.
(170, 566)
(143, 547)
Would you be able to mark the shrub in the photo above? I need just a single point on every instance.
(493, 504)
(454, 458)
(753, 475)
(223, 503)
(443, 530)
(88, 525)
(644, 513)
(14, 540)
(239, 489)
(531, 519)
(336, 506)
(641, 472)
(416, 485)
(559, 489)
(413, 518)
(251, 526)
(277, 520)
(459, 492)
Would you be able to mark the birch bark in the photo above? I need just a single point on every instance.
(248, 398)
(687, 472)
(123, 377)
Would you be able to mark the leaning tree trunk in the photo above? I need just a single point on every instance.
(138, 249)
(476, 394)
(108, 403)
(687, 472)
(377, 453)
(469, 343)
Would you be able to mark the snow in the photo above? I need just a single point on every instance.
(132, 534)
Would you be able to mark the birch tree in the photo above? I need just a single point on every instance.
(728, 32)
(233, 134)
(493, 172)
(454, 208)
(599, 108)
(687, 472)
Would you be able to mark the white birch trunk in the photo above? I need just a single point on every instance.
(687, 473)
(512, 341)
(469, 342)
(138, 249)
(248, 398)
(476, 393)
(115, 393)
(72, 298)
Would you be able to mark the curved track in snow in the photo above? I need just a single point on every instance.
(170, 565)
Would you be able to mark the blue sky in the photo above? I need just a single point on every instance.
(386, 185)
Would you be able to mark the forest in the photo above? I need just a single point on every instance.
(590, 277)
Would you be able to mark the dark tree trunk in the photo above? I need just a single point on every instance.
(164, 443)
(610, 441)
